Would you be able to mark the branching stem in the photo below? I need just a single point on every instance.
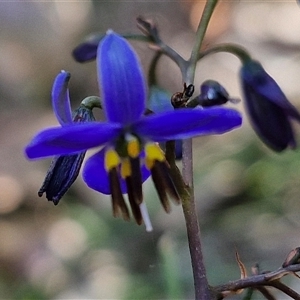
(271, 279)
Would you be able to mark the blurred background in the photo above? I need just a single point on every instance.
(247, 196)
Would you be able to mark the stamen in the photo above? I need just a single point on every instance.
(118, 201)
(154, 152)
(160, 186)
(146, 217)
(170, 187)
(133, 146)
(133, 202)
(111, 160)
(136, 179)
(125, 168)
(149, 163)
(164, 184)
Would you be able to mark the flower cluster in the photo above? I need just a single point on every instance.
(130, 151)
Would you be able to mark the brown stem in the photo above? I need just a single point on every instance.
(184, 185)
(266, 293)
(285, 289)
(202, 290)
(267, 279)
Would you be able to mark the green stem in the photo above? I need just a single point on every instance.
(202, 290)
(136, 37)
(234, 49)
(202, 27)
(173, 55)
(152, 69)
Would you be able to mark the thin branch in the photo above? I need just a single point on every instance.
(202, 27)
(266, 293)
(150, 30)
(285, 289)
(266, 279)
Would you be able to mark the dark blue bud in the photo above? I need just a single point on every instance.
(61, 175)
(64, 170)
(267, 106)
(212, 93)
(87, 50)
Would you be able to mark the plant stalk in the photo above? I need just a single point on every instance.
(202, 289)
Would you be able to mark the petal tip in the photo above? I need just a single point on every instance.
(109, 32)
(29, 153)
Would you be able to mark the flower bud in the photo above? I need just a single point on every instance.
(292, 258)
(87, 50)
(212, 93)
(64, 169)
(267, 106)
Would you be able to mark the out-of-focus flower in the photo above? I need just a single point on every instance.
(64, 169)
(129, 138)
(268, 108)
(87, 50)
(160, 101)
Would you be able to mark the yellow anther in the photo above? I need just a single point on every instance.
(133, 148)
(111, 159)
(154, 152)
(125, 168)
(149, 163)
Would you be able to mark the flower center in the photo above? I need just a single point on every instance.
(123, 163)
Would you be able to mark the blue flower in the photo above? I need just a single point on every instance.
(129, 139)
(64, 169)
(268, 108)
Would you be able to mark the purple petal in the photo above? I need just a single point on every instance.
(95, 175)
(60, 98)
(187, 123)
(121, 80)
(71, 139)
